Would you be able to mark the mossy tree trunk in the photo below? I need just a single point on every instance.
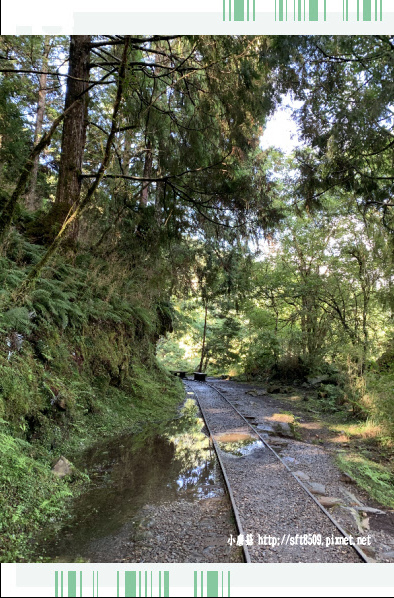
(74, 132)
(77, 209)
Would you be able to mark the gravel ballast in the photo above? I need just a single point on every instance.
(278, 517)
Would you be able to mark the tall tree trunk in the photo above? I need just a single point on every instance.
(32, 202)
(149, 135)
(147, 173)
(204, 335)
(74, 132)
(36, 270)
(7, 209)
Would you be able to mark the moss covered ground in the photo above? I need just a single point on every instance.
(77, 363)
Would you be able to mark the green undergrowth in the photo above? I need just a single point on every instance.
(77, 363)
(30, 495)
(375, 478)
(371, 466)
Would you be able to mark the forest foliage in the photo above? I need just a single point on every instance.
(140, 218)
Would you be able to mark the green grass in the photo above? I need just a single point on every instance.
(373, 477)
(30, 495)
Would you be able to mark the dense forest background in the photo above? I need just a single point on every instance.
(142, 226)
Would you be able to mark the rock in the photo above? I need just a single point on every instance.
(329, 501)
(388, 555)
(354, 499)
(365, 509)
(304, 385)
(301, 476)
(286, 390)
(62, 467)
(325, 379)
(289, 461)
(365, 523)
(368, 551)
(316, 488)
(283, 429)
(317, 380)
(61, 404)
(264, 428)
(274, 388)
(346, 479)
(256, 392)
(357, 519)
(278, 442)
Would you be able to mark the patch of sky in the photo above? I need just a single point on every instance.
(281, 130)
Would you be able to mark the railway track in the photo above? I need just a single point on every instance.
(277, 516)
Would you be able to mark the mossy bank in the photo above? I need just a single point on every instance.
(77, 363)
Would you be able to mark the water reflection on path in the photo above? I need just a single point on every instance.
(154, 466)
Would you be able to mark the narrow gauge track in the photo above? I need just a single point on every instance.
(268, 500)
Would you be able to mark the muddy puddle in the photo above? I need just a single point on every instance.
(163, 464)
(239, 444)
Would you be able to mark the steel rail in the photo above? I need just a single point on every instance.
(226, 480)
(355, 547)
